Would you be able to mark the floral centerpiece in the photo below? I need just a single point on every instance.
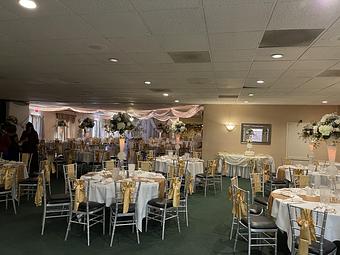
(329, 127)
(249, 136)
(178, 127)
(87, 123)
(61, 123)
(121, 122)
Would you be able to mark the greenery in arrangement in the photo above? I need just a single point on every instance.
(61, 123)
(178, 127)
(121, 122)
(87, 123)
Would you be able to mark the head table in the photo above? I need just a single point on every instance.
(240, 165)
(102, 189)
(279, 199)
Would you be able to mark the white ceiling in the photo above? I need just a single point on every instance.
(59, 52)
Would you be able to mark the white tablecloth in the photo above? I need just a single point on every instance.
(104, 192)
(195, 166)
(239, 164)
(280, 213)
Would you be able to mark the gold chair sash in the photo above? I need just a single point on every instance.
(50, 159)
(303, 181)
(239, 209)
(257, 183)
(127, 189)
(174, 192)
(47, 171)
(9, 178)
(307, 231)
(171, 171)
(181, 167)
(190, 183)
(212, 167)
(79, 186)
(25, 158)
(71, 171)
(39, 192)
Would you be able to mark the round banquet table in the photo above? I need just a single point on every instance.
(239, 164)
(102, 190)
(195, 166)
(279, 211)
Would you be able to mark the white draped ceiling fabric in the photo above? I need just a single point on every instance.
(164, 114)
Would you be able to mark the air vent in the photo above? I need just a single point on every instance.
(289, 38)
(330, 73)
(160, 90)
(190, 56)
(228, 96)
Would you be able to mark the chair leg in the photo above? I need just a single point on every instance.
(68, 226)
(232, 229)
(43, 223)
(14, 206)
(249, 242)
(178, 223)
(19, 195)
(113, 230)
(186, 213)
(110, 223)
(146, 219)
(275, 243)
(137, 231)
(205, 187)
(88, 228)
(163, 224)
(104, 220)
(6, 199)
(237, 233)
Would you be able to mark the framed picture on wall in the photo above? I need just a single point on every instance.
(260, 133)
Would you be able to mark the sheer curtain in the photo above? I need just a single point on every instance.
(38, 124)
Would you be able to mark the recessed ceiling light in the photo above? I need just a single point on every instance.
(260, 82)
(114, 60)
(251, 94)
(28, 4)
(324, 102)
(132, 103)
(147, 82)
(276, 56)
(176, 101)
(165, 94)
(246, 102)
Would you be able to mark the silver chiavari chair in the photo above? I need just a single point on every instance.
(257, 230)
(319, 244)
(70, 171)
(257, 189)
(82, 211)
(128, 217)
(186, 190)
(207, 179)
(8, 186)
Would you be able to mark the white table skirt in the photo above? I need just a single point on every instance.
(238, 164)
(104, 193)
(194, 167)
(280, 213)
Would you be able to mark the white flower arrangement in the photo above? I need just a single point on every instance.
(121, 122)
(178, 127)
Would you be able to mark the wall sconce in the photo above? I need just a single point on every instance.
(230, 126)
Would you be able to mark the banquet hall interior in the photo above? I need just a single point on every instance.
(169, 127)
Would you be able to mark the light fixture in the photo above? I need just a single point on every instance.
(324, 102)
(113, 60)
(132, 103)
(251, 94)
(260, 82)
(28, 4)
(277, 55)
(176, 101)
(147, 82)
(165, 94)
(230, 126)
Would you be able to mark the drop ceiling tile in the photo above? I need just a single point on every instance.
(122, 24)
(231, 66)
(322, 53)
(240, 74)
(320, 82)
(137, 44)
(229, 83)
(184, 42)
(233, 55)
(265, 73)
(271, 65)
(196, 67)
(170, 22)
(152, 5)
(240, 40)
(150, 57)
(235, 16)
(331, 37)
(303, 14)
(6, 14)
(313, 64)
(97, 6)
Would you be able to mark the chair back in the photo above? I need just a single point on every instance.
(70, 172)
(299, 177)
(182, 166)
(98, 156)
(78, 192)
(211, 167)
(189, 183)
(196, 154)
(241, 202)
(252, 165)
(316, 223)
(109, 165)
(145, 165)
(234, 181)
(126, 196)
(8, 178)
(26, 158)
(173, 191)
(257, 184)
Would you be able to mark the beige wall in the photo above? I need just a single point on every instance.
(21, 112)
(216, 138)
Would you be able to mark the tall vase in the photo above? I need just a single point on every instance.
(178, 138)
(331, 149)
(121, 144)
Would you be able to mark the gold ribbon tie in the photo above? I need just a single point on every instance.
(127, 189)
(307, 231)
(79, 186)
(39, 193)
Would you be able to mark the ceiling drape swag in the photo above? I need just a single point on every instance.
(66, 117)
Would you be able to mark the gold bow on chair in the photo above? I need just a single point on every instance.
(190, 183)
(174, 192)
(307, 231)
(79, 186)
(39, 192)
(257, 183)
(47, 172)
(127, 189)
(71, 171)
(181, 167)
(239, 210)
(9, 178)
(50, 160)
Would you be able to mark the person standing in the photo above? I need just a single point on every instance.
(29, 144)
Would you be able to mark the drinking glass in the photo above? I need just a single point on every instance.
(325, 195)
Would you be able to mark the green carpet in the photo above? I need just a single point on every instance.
(208, 232)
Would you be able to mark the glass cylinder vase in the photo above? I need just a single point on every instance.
(331, 150)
